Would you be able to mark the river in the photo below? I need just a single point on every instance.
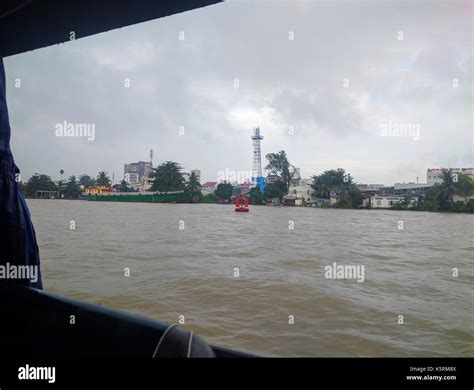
(257, 282)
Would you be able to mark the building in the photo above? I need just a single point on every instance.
(434, 175)
(270, 179)
(97, 190)
(137, 174)
(387, 201)
(411, 186)
(301, 194)
(132, 178)
(307, 182)
(208, 187)
(302, 191)
(370, 187)
(241, 189)
(142, 168)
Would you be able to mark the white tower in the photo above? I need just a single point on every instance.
(257, 155)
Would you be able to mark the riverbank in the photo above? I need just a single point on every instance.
(183, 198)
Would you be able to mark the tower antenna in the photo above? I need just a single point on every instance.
(257, 154)
(257, 177)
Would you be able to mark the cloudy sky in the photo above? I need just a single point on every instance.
(324, 96)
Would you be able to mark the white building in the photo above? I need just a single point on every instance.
(304, 192)
(386, 201)
(131, 178)
(411, 186)
(434, 175)
(208, 187)
(370, 187)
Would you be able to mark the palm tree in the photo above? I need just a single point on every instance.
(193, 184)
(464, 185)
(446, 190)
(103, 179)
(60, 183)
(441, 195)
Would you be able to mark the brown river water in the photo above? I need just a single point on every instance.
(191, 272)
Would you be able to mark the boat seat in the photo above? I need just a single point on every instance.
(38, 325)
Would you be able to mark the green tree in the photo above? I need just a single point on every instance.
(404, 204)
(39, 182)
(60, 186)
(429, 202)
(209, 198)
(341, 183)
(256, 196)
(458, 207)
(464, 185)
(193, 185)
(278, 164)
(167, 177)
(87, 181)
(469, 206)
(72, 189)
(103, 179)
(460, 184)
(224, 191)
(277, 189)
(123, 186)
(332, 180)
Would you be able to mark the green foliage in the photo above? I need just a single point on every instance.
(224, 191)
(405, 204)
(209, 198)
(39, 182)
(87, 181)
(464, 185)
(72, 189)
(342, 184)
(342, 204)
(458, 207)
(193, 186)
(167, 177)
(256, 196)
(355, 197)
(276, 190)
(469, 208)
(427, 204)
(278, 164)
(123, 186)
(103, 179)
(332, 180)
(443, 193)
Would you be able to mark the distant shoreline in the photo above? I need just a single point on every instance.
(269, 206)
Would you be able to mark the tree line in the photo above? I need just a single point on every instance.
(70, 189)
(333, 183)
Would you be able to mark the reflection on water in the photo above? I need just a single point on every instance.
(190, 272)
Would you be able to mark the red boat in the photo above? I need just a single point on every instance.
(242, 203)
